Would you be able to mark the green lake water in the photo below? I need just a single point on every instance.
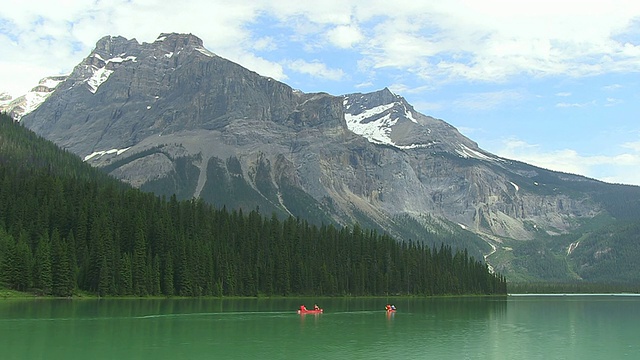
(513, 327)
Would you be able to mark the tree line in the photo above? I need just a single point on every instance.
(66, 227)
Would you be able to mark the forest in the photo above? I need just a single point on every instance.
(66, 227)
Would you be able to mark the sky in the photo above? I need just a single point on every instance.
(552, 83)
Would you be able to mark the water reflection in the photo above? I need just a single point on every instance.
(443, 328)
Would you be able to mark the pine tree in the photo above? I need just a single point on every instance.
(42, 273)
(167, 276)
(139, 267)
(7, 252)
(21, 266)
(125, 279)
(62, 277)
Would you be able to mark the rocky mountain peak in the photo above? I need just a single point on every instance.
(373, 99)
(175, 42)
(111, 45)
(385, 118)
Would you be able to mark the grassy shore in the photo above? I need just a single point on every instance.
(12, 294)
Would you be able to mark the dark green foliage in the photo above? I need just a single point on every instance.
(434, 232)
(128, 159)
(17, 264)
(299, 202)
(182, 181)
(540, 262)
(603, 251)
(226, 188)
(42, 271)
(106, 238)
(62, 277)
(262, 179)
(609, 253)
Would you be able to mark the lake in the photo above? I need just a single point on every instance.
(511, 327)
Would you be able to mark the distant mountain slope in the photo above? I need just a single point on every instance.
(173, 118)
(25, 104)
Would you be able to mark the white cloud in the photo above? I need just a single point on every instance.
(316, 69)
(496, 39)
(574, 105)
(613, 102)
(563, 94)
(259, 65)
(437, 41)
(635, 146)
(619, 168)
(265, 43)
(363, 85)
(344, 36)
(612, 87)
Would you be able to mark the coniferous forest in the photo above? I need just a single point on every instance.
(66, 227)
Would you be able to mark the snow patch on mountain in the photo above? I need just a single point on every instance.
(30, 101)
(34, 99)
(515, 186)
(376, 131)
(105, 152)
(466, 152)
(376, 123)
(101, 74)
(409, 115)
(205, 51)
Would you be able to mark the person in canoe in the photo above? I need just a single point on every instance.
(315, 307)
(303, 308)
(388, 307)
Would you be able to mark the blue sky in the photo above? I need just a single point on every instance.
(551, 83)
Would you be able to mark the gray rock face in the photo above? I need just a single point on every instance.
(172, 117)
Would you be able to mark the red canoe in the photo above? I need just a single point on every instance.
(319, 311)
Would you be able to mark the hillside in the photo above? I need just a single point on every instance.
(67, 227)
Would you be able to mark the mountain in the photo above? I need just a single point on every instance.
(25, 104)
(67, 227)
(172, 117)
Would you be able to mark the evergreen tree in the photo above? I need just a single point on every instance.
(20, 268)
(42, 273)
(62, 277)
(126, 278)
(167, 276)
(139, 267)
(7, 252)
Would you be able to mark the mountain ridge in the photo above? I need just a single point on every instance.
(172, 117)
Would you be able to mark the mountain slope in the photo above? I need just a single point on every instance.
(67, 227)
(28, 102)
(172, 117)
